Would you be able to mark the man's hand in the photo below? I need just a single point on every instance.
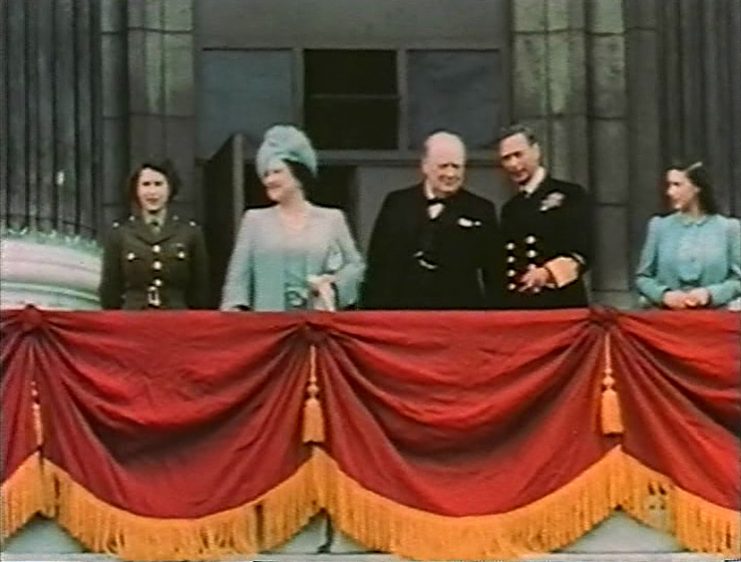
(534, 280)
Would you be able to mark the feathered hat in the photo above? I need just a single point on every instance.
(285, 142)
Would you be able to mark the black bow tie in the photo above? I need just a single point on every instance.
(435, 201)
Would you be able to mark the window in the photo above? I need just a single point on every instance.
(243, 91)
(455, 90)
(351, 99)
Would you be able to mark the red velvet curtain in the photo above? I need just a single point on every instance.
(167, 426)
(463, 413)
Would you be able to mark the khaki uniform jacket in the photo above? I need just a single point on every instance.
(143, 269)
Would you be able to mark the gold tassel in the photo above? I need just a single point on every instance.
(313, 415)
(38, 424)
(611, 416)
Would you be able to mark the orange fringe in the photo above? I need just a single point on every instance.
(313, 415)
(554, 521)
(550, 523)
(611, 416)
(698, 524)
(103, 528)
(545, 525)
(21, 496)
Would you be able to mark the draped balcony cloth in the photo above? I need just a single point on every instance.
(468, 435)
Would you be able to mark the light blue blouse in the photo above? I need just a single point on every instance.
(269, 265)
(684, 253)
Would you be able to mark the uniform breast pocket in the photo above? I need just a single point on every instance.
(177, 261)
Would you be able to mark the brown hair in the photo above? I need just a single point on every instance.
(164, 167)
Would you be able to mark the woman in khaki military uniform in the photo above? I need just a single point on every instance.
(154, 260)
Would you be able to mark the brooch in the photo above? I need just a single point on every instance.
(551, 201)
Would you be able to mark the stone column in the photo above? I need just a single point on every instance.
(608, 151)
(50, 166)
(160, 75)
(569, 83)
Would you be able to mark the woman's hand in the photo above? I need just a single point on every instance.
(697, 298)
(322, 289)
(675, 300)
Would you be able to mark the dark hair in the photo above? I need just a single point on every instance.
(517, 129)
(164, 167)
(303, 175)
(698, 174)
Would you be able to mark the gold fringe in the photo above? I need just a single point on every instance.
(313, 431)
(104, 528)
(611, 416)
(698, 524)
(545, 525)
(21, 496)
(550, 523)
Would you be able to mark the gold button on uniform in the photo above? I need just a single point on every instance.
(511, 259)
(510, 245)
(156, 249)
(511, 286)
(156, 265)
(531, 253)
(530, 239)
(511, 273)
(157, 282)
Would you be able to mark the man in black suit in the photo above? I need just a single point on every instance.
(547, 229)
(435, 245)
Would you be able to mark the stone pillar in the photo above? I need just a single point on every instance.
(550, 81)
(608, 151)
(160, 76)
(569, 83)
(50, 138)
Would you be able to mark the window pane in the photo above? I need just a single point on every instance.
(461, 91)
(243, 91)
(351, 100)
(353, 123)
(350, 72)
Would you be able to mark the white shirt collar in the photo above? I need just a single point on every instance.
(534, 182)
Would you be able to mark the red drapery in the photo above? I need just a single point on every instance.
(435, 435)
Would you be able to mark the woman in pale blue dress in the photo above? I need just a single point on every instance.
(692, 257)
(292, 255)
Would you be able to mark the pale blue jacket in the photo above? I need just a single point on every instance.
(259, 266)
(684, 253)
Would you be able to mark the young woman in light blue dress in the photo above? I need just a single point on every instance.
(292, 255)
(692, 257)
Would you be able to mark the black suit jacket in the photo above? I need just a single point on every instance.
(137, 263)
(451, 262)
(555, 220)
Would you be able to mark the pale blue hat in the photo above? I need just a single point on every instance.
(285, 142)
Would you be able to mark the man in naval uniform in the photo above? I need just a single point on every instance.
(154, 260)
(546, 227)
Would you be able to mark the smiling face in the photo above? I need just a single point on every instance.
(444, 164)
(682, 194)
(519, 158)
(280, 183)
(152, 190)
